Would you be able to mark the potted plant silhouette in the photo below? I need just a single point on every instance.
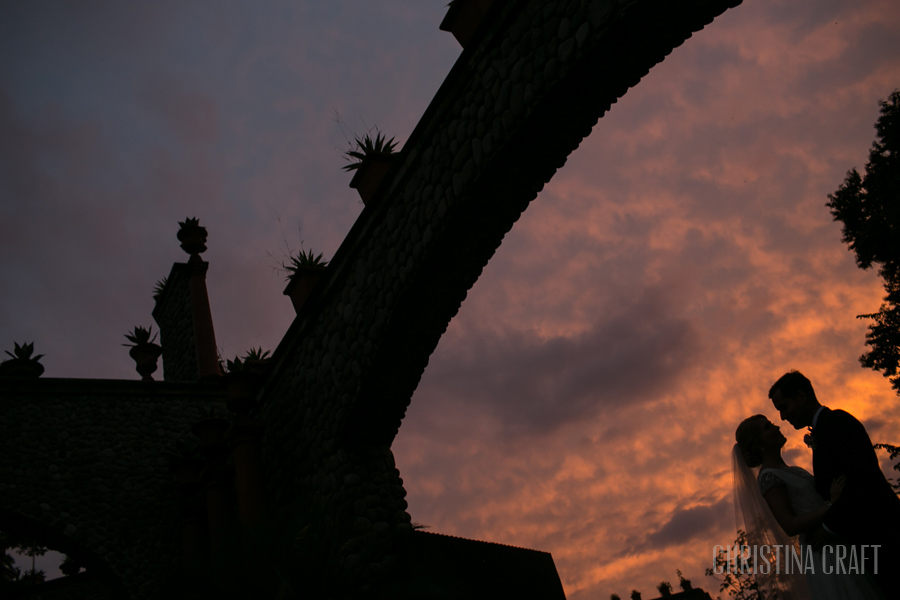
(22, 364)
(463, 18)
(255, 360)
(192, 236)
(159, 288)
(304, 271)
(372, 161)
(144, 351)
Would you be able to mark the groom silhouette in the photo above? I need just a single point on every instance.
(868, 512)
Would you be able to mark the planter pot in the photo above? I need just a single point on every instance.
(146, 357)
(193, 239)
(257, 367)
(241, 388)
(301, 285)
(21, 367)
(371, 173)
(463, 19)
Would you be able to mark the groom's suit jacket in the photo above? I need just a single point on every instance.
(868, 511)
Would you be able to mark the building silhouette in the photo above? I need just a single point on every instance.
(278, 478)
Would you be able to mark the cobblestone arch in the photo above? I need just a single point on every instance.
(527, 88)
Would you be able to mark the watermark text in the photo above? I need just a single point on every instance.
(790, 559)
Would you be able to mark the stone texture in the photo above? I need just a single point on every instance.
(113, 504)
(520, 99)
(172, 314)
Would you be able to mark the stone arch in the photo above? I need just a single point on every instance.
(523, 94)
(529, 86)
(20, 525)
(485, 147)
(496, 187)
(85, 468)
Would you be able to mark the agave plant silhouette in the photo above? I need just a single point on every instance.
(301, 260)
(367, 147)
(139, 336)
(256, 354)
(159, 288)
(24, 352)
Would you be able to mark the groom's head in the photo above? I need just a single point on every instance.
(794, 399)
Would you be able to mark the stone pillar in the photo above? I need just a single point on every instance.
(370, 506)
(215, 480)
(204, 334)
(218, 505)
(193, 528)
(183, 314)
(193, 536)
(245, 437)
(172, 314)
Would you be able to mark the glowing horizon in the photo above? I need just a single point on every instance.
(584, 400)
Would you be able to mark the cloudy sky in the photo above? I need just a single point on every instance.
(584, 400)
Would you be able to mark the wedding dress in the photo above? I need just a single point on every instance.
(828, 579)
(819, 578)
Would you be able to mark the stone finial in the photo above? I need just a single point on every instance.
(192, 236)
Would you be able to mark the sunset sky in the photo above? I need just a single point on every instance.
(584, 400)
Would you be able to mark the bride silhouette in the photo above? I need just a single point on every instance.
(780, 507)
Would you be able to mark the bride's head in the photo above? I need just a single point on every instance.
(754, 436)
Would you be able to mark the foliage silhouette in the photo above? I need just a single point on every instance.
(893, 452)
(256, 354)
(24, 352)
(367, 146)
(869, 208)
(11, 576)
(735, 573)
(70, 566)
(300, 261)
(139, 336)
(22, 363)
(159, 287)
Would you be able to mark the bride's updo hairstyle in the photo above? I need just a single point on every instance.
(749, 440)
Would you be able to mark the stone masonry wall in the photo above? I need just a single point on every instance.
(172, 313)
(82, 460)
(521, 97)
(84, 466)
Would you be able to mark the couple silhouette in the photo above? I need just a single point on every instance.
(842, 522)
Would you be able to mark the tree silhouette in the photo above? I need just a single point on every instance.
(10, 574)
(735, 572)
(869, 208)
(893, 452)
